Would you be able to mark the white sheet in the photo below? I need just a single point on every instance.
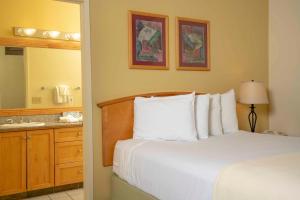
(171, 170)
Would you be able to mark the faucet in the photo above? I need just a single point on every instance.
(10, 121)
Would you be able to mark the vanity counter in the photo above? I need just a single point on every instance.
(48, 125)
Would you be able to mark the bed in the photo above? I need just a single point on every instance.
(236, 166)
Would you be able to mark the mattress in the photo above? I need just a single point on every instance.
(174, 170)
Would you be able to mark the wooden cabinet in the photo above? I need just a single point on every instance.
(68, 134)
(68, 173)
(68, 156)
(12, 163)
(66, 152)
(40, 159)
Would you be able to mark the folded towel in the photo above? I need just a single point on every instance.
(61, 94)
(70, 118)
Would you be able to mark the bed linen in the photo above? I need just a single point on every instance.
(176, 170)
(272, 178)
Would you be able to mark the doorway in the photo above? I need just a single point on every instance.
(38, 97)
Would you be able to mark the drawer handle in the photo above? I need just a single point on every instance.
(79, 171)
(79, 150)
(79, 134)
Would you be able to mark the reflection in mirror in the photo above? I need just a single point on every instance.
(39, 78)
(12, 78)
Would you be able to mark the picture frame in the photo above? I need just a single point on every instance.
(148, 41)
(192, 44)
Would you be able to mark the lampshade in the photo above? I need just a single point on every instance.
(253, 92)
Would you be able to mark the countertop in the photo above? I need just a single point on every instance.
(48, 125)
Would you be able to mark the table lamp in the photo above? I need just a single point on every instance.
(252, 92)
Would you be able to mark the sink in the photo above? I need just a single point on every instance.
(20, 125)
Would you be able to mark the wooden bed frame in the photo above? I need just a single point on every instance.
(117, 122)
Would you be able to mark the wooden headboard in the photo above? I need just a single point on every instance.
(117, 122)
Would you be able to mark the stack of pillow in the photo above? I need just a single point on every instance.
(185, 117)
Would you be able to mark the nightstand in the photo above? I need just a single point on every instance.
(272, 132)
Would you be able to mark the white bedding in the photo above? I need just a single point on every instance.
(173, 170)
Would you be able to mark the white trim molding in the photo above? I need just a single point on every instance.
(87, 101)
(87, 96)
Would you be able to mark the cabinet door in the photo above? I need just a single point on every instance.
(12, 163)
(40, 159)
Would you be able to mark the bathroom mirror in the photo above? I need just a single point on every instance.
(30, 76)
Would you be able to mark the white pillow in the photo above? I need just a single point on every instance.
(167, 118)
(229, 116)
(214, 122)
(201, 114)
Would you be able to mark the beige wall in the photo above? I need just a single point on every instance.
(284, 65)
(49, 68)
(12, 80)
(42, 14)
(239, 51)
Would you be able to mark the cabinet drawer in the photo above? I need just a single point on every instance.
(68, 134)
(68, 173)
(68, 152)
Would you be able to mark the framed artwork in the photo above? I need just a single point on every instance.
(192, 44)
(148, 41)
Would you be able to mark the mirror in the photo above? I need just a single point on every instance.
(33, 77)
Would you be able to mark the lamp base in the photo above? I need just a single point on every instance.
(252, 117)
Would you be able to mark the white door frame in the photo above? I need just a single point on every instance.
(87, 100)
(87, 96)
